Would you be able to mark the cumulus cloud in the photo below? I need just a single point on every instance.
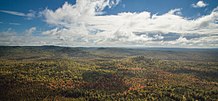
(26, 38)
(199, 4)
(84, 23)
(30, 31)
(68, 15)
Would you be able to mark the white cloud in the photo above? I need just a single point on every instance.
(13, 13)
(83, 24)
(12, 38)
(30, 31)
(199, 4)
(29, 15)
(68, 15)
(180, 40)
(12, 23)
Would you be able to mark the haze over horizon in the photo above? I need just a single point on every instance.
(110, 23)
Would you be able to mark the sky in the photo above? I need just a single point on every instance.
(109, 23)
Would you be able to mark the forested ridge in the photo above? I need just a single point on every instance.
(98, 74)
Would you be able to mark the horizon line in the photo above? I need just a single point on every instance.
(134, 47)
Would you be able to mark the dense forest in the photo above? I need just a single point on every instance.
(98, 74)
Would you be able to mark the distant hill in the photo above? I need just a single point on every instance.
(54, 52)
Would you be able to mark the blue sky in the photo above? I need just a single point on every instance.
(138, 23)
